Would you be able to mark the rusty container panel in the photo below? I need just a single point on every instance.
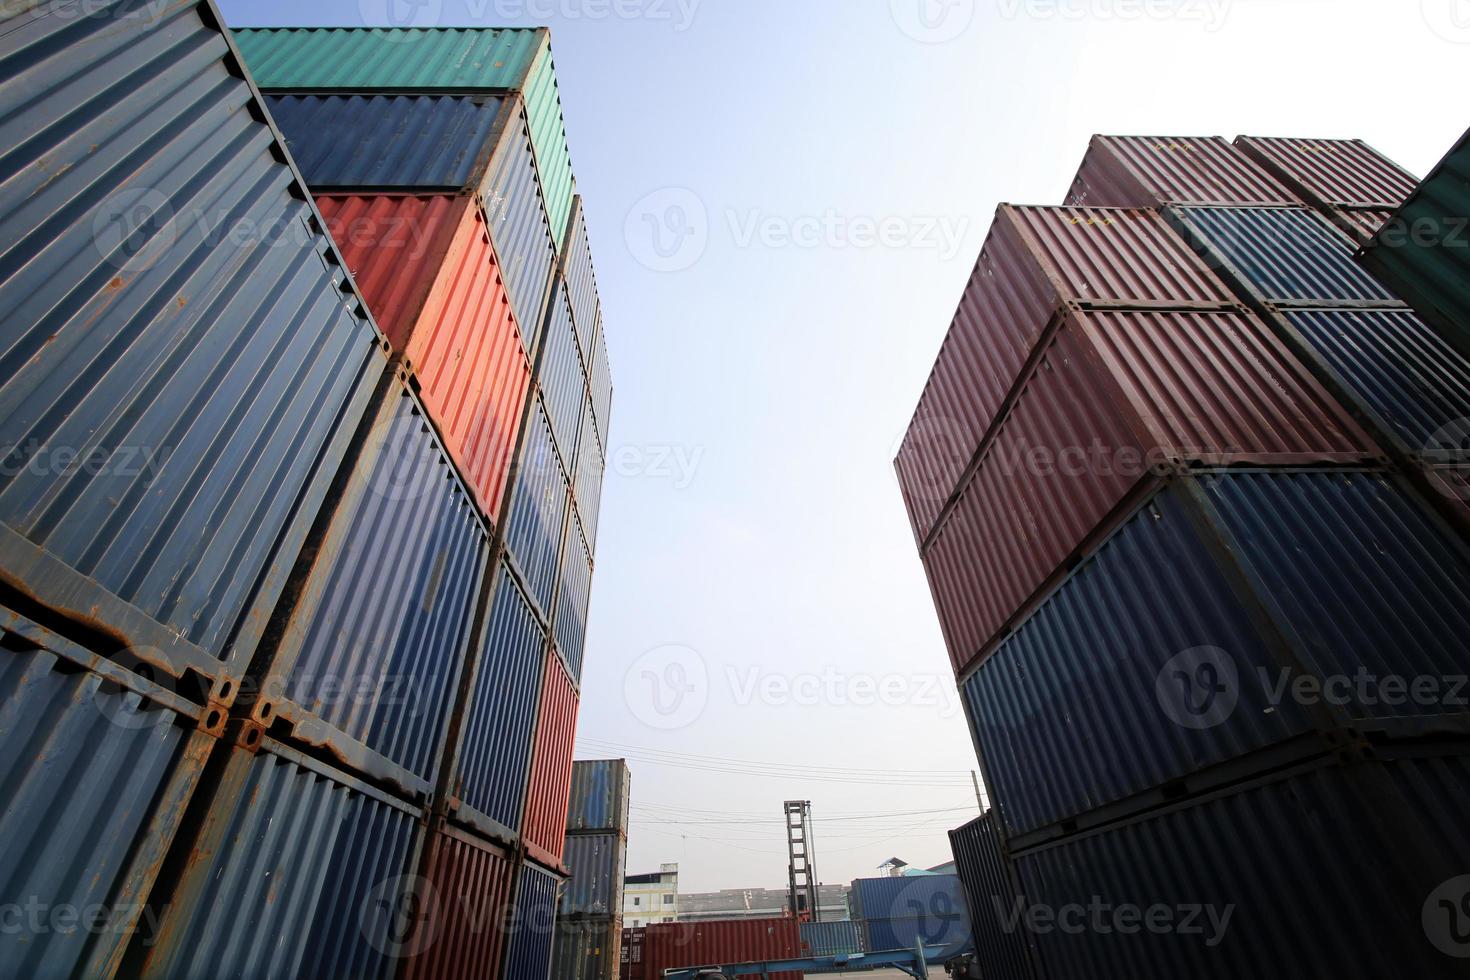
(587, 488)
(374, 647)
(429, 273)
(561, 374)
(1153, 171)
(573, 597)
(464, 909)
(550, 784)
(209, 379)
(581, 280)
(538, 510)
(587, 949)
(720, 942)
(495, 754)
(299, 870)
(99, 765)
(1116, 397)
(1332, 174)
(533, 924)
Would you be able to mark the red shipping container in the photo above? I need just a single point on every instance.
(1152, 171)
(550, 790)
(1332, 173)
(1117, 399)
(462, 906)
(1036, 261)
(722, 941)
(427, 269)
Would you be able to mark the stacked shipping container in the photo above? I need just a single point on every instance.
(1147, 487)
(331, 693)
(650, 950)
(904, 913)
(589, 925)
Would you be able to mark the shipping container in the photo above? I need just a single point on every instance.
(1328, 870)
(538, 510)
(211, 417)
(533, 926)
(596, 863)
(488, 788)
(561, 374)
(581, 280)
(599, 376)
(1153, 171)
(631, 963)
(937, 896)
(456, 60)
(99, 766)
(1264, 577)
(430, 277)
(989, 881)
(601, 790)
(831, 938)
(370, 656)
(1423, 253)
(717, 942)
(1332, 174)
(1362, 224)
(550, 784)
(587, 489)
(1036, 262)
(298, 870)
(463, 909)
(1116, 399)
(942, 937)
(573, 597)
(587, 949)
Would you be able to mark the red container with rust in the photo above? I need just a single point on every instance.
(427, 269)
(722, 941)
(549, 792)
(1154, 171)
(462, 907)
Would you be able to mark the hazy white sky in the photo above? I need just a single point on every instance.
(784, 201)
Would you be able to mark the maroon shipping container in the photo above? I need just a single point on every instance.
(1117, 398)
(1035, 262)
(722, 941)
(1152, 171)
(462, 904)
(550, 790)
(1332, 173)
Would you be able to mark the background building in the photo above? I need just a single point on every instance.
(651, 898)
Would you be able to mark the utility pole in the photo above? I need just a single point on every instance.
(979, 796)
(801, 872)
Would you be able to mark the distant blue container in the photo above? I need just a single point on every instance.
(596, 863)
(600, 794)
(831, 938)
(573, 598)
(943, 936)
(538, 510)
(533, 926)
(937, 896)
(495, 753)
(562, 377)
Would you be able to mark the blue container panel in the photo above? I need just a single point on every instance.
(533, 929)
(207, 379)
(942, 936)
(519, 227)
(591, 467)
(563, 380)
(496, 752)
(383, 142)
(600, 377)
(988, 878)
(538, 512)
(581, 280)
(831, 938)
(1399, 369)
(573, 598)
(380, 635)
(1067, 711)
(600, 794)
(1289, 256)
(895, 898)
(596, 863)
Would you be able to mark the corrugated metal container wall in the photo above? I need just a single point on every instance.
(912, 896)
(298, 852)
(596, 886)
(533, 928)
(516, 210)
(630, 955)
(561, 375)
(379, 634)
(942, 936)
(718, 942)
(389, 142)
(550, 785)
(463, 912)
(1332, 173)
(1289, 257)
(576, 263)
(573, 597)
(1363, 224)
(601, 790)
(990, 894)
(831, 938)
(495, 753)
(587, 949)
(591, 468)
(549, 137)
(599, 376)
(108, 759)
(1145, 387)
(456, 332)
(213, 417)
(1295, 908)
(538, 510)
(391, 59)
(1152, 171)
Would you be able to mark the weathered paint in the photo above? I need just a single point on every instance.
(214, 415)
(533, 926)
(561, 375)
(576, 267)
(989, 880)
(538, 510)
(550, 784)
(587, 949)
(601, 790)
(1152, 171)
(1332, 174)
(681, 944)
(464, 912)
(596, 862)
(831, 938)
(573, 596)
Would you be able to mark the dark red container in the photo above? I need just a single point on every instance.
(723, 941)
(462, 905)
(1118, 398)
(1152, 171)
(550, 790)
(1332, 173)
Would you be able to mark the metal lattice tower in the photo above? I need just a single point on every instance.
(801, 871)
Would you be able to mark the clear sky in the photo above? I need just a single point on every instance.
(784, 199)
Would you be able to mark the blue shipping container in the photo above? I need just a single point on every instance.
(600, 378)
(573, 597)
(938, 896)
(831, 938)
(562, 377)
(581, 280)
(533, 925)
(538, 510)
(596, 863)
(942, 937)
(591, 467)
(601, 789)
(989, 882)
(519, 227)
(181, 374)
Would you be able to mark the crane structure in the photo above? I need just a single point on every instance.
(801, 869)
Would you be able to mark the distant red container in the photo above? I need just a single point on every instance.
(1333, 173)
(724, 941)
(429, 274)
(1152, 171)
(461, 913)
(550, 788)
(1118, 398)
(1036, 260)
